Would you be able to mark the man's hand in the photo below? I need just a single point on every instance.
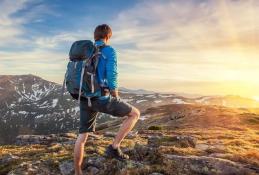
(114, 93)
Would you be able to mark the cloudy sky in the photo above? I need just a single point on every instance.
(193, 46)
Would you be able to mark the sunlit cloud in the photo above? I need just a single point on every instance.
(185, 40)
(206, 47)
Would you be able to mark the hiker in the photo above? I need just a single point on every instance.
(108, 101)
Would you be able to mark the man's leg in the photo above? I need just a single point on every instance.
(126, 127)
(86, 125)
(119, 108)
(79, 152)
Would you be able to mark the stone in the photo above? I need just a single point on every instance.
(205, 165)
(91, 170)
(142, 153)
(33, 139)
(44, 139)
(31, 168)
(8, 158)
(177, 115)
(109, 134)
(66, 167)
(95, 161)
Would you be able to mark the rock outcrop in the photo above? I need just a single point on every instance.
(190, 165)
(151, 153)
(44, 139)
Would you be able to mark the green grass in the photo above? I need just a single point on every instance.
(155, 127)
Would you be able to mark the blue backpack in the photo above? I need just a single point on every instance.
(80, 77)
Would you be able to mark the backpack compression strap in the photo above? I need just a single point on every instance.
(81, 82)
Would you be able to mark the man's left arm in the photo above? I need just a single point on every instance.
(112, 72)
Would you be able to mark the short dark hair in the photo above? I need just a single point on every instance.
(102, 31)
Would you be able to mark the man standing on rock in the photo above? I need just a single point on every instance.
(108, 102)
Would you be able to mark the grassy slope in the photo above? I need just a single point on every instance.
(227, 133)
(231, 133)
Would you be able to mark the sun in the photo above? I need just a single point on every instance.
(256, 98)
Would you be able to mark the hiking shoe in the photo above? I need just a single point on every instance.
(115, 153)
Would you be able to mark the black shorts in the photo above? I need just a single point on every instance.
(109, 105)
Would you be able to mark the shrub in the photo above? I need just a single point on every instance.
(155, 127)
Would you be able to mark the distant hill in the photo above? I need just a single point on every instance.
(32, 105)
(135, 91)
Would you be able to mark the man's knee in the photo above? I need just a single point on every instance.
(135, 113)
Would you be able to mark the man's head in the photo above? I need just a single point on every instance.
(102, 32)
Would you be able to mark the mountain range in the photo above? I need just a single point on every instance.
(32, 105)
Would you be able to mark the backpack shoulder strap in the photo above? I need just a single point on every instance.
(99, 48)
(97, 54)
